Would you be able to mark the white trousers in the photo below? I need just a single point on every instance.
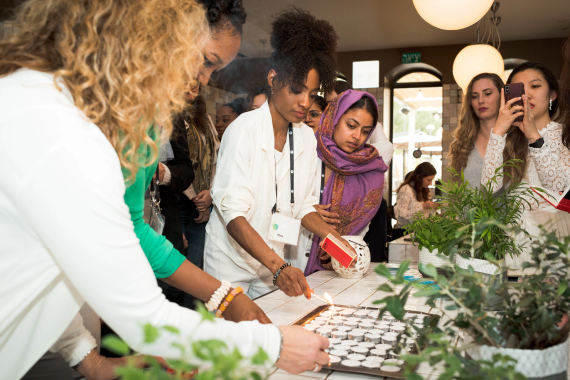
(220, 266)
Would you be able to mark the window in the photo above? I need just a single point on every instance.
(366, 74)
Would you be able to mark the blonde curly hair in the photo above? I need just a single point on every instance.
(127, 63)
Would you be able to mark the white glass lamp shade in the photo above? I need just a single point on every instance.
(452, 14)
(474, 60)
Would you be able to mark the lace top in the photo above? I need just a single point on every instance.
(494, 159)
(552, 161)
(407, 206)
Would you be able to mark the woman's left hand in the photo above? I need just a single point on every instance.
(242, 308)
(203, 200)
(331, 218)
(203, 216)
(528, 126)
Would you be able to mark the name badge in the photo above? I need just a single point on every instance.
(284, 229)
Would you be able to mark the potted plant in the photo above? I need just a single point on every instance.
(470, 204)
(216, 360)
(432, 235)
(526, 337)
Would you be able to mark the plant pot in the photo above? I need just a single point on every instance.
(427, 257)
(550, 363)
(481, 266)
(363, 259)
(493, 275)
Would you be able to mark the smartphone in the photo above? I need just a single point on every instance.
(515, 90)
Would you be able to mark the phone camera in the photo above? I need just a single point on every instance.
(507, 89)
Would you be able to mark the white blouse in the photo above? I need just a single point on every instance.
(67, 237)
(245, 181)
(407, 206)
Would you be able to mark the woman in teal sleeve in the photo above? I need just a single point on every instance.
(167, 263)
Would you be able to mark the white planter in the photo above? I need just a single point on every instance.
(427, 257)
(363, 259)
(481, 266)
(531, 363)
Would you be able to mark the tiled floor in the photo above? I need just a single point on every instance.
(284, 310)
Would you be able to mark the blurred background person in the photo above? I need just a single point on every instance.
(227, 113)
(314, 114)
(256, 98)
(414, 195)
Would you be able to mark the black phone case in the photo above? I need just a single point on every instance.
(515, 90)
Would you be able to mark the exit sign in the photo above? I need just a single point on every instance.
(411, 57)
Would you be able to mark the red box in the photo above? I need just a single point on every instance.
(338, 250)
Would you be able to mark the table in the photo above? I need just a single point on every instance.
(284, 310)
(401, 249)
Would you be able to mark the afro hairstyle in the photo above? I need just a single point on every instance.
(300, 43)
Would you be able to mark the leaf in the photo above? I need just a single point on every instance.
(562, 287)
(427, 292)
(150, 333)
(260, 357)
(172, 329)
(383, 271)
(429, 269)
(402, 269)
(385, 288)
(255, 376)
(116, 345)
(201, 309)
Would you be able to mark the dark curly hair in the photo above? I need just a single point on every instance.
(300, 43)
(321, 102)
(225, 14)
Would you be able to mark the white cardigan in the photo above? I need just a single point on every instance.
(67, 236)
(245, 181)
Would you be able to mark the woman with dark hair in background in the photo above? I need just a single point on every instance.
(413, 195)
(256, 98)
(540, 133)
(267, 162)
(315, 112)
(340, 86)
(227, 113)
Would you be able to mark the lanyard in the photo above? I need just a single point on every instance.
(322, 182)
(292, 171)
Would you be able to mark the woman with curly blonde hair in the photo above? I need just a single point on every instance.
(82, 85)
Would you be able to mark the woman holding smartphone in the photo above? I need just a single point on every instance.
(537, 169)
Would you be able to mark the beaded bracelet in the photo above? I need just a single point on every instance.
(227, 301)
(279, 272)
(218, 296)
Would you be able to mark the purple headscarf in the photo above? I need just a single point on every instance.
(355, 186)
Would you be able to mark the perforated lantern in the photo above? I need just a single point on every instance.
(476, 59)
(452, 14)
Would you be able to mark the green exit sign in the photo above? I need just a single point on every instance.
(411, 57)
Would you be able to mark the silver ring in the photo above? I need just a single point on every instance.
(316, 367)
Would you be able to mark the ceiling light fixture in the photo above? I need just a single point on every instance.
(483, 56)
(452, 14)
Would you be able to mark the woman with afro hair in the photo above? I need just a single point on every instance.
(267, 166)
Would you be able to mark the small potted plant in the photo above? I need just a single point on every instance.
(432, 235)
(470, 204)
(526, 337)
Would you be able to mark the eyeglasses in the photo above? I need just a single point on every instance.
(315, 114)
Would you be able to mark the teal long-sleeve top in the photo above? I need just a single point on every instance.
(161, 254)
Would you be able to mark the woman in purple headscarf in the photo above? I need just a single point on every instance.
(350, 173)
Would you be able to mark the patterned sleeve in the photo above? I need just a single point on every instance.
(493, 160)
(552, 161)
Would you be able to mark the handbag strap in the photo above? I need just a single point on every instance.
(155, 187)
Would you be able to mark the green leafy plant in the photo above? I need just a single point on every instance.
(219, 361)
(435, 232)
(533, 313)
(466, 203)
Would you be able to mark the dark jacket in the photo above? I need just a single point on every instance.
(182, 176)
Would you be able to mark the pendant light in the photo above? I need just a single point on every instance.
(452, 14)
(483, 56)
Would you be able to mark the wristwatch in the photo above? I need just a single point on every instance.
(537, 144)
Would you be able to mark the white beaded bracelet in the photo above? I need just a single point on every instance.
(218, 296)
